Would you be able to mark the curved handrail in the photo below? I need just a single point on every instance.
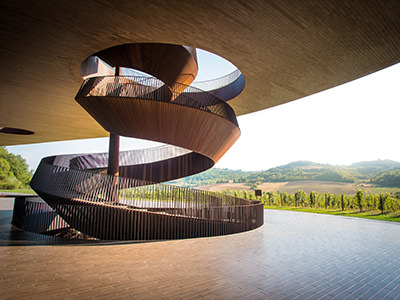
(213, 84)
(63, 182)
(91, 202)
(151, 88)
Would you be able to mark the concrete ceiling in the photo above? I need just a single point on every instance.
(285, 49)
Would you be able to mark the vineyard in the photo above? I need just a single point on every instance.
(361, 201)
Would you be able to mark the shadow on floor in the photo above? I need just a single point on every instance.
(10, 236)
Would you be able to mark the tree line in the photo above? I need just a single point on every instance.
(360, 201)
(14, 171)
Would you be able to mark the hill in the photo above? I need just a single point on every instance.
(380, 172)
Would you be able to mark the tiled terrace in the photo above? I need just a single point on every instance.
(293, 256)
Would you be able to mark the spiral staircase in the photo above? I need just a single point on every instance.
(121, 195)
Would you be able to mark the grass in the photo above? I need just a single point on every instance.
(379, 190)
(20, 191)
(375, 214)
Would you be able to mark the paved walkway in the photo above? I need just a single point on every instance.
(293, 256)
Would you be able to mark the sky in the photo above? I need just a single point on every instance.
(356, 121)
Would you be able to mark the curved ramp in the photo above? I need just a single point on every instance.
(198, 127)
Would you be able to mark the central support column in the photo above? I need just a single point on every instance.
(113, 155)
(113, 148)
(113, 166)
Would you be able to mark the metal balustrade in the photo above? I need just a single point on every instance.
(213, 84)
(153, 89)
(93, 204)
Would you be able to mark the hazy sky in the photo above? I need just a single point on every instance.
(353, 122)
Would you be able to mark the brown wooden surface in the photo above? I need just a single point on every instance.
(286, 50)
(182, 126)
(294, 256)
(179, 67)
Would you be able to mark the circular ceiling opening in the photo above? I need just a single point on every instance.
(10, 130)
(212, 66)
(202, 69)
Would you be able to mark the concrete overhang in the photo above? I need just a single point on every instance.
(285, 49)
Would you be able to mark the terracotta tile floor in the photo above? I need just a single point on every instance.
(293, 256)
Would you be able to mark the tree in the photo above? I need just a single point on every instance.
(285, 199)
(4, 169)
(313, 199)
(300, 197)
(382, 202)
(272, 198)
(389, 179)
(14, 171)
(7, 179)
(342, 203)
(360, 199)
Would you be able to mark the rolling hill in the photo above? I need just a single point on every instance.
(384, 173)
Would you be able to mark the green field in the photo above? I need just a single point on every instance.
(375, 215)
(379, 190)
(19, 191)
